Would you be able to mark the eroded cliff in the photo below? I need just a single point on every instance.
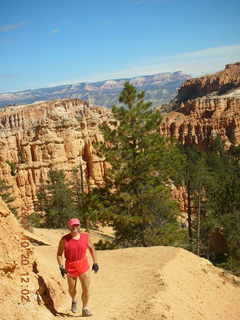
(206, 107)
(56, 134)
(218, 83)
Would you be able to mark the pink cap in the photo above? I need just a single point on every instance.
(73, 221)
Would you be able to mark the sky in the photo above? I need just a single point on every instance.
(52, 42)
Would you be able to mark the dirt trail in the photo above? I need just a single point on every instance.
(153, 283)
(118, 292)
(126, 281)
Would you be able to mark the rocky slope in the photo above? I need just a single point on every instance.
(205, 107)
(57, 134)
(218, 83)
(21, 286)
(159, 88)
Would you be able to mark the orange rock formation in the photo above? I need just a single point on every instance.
(56, 134)
(220, 82)
(205, 107)
(24, 293)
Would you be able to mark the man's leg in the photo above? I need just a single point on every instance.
(72, 287)
(85, 282)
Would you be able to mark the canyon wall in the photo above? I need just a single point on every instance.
(58, 135)
(220, 83)
(201, 120)
(206, 107)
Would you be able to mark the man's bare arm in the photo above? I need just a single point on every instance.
(60, 252)
(92, 250)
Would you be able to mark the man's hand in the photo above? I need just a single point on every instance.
(63, 271)
(95, 267)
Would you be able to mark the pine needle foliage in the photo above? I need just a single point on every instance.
(136, 192)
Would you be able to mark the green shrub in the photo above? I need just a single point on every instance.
(105, 245)
(12, 166)
(231, 265)
(36, 220)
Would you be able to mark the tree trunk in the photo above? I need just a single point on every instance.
(189, 213)
(198, 225)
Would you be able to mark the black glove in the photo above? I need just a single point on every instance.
(62, 270)
(95, 267)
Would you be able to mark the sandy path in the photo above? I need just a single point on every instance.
(154, 283)
(123, 285)
(117, 291)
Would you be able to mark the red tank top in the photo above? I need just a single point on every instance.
(75, 249)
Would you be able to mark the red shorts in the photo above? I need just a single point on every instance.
(76, 268)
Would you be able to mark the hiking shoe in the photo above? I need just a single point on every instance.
(86, 312)
(74, 306)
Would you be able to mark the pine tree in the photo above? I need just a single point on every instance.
(200, 181)
(201, 177)
(222, 207)
(55, 201)
(87, 205)
(6, 195)
(4, 191)
(137, 197)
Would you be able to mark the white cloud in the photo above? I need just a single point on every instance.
(195, 63)
(56, 30)
(9, 27)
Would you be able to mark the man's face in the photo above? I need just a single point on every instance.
(75, 228)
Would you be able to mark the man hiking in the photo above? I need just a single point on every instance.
(74, 245)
